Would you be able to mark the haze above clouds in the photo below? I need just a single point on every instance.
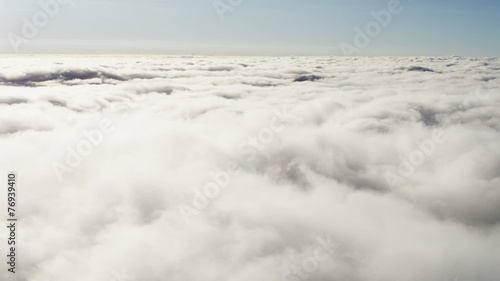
(257, 27)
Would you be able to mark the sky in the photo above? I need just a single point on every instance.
(249, 27)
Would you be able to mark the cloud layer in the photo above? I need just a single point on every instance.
(203, 168)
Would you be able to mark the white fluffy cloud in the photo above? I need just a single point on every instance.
(325, 147)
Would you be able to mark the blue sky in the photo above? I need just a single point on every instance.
(253, 27)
